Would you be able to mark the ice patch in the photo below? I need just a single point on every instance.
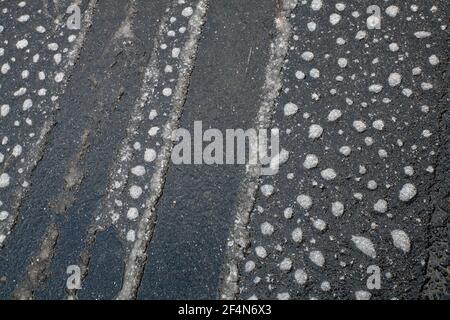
(317, 258)
(328, 174)
(286, 265)
(261, 252)
(131, 236)
(132, 214)
(187, 12)
(342, 62)
(360, 126)
(150, 155)
(434, 60)
(297, 235)
(267, 229)
(365, 245)
(311, 161)
(307, 56)
(378, 125)
(288, 212)
(363, 295)
(376, 88)
(153, 131)
(337, 209)
(280, 159)
(175, 52)
(267, 190)
(135, 192)
(250, 266)
(304, 201)
(422, 34)
(167, 92)
(5, 68)
(4, 110)
(394, 79)
(316, 5)
(59, 77)
(290, 109)
(381, 206)
(21, 44)
(335, 18)
(392, 11)
(320, 225)
(314, 73)
(4, 180)
(334, 115)
(325, 286)
(27, 104)
(4, 215)
(401, 240)
(301, 277)
(408, 192)
(300, 75)
(53, 47)
(345, 150)
(17, 151)
(315, 131)
(311, 26)
(138, 171)
(361, 35)
(283, 296)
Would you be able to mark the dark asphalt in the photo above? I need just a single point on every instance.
(403, 275)
(195, 213)
(75, 199)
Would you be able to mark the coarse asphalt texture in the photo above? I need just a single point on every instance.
(358, 207)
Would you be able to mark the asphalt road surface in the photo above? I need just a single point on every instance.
(92, 205)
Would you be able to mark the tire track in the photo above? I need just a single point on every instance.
(239, 239)
(68, 172)
(135, 262)
(37, 272)
(119, 170)
(36, 153)
(111, 88)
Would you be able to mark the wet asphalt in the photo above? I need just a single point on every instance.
(195, 214)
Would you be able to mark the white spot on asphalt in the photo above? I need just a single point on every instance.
(290, 109)
(401, 240)
(4, 180)
(408, 192)
(304, 201)
(317, 258)
(365, 245)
